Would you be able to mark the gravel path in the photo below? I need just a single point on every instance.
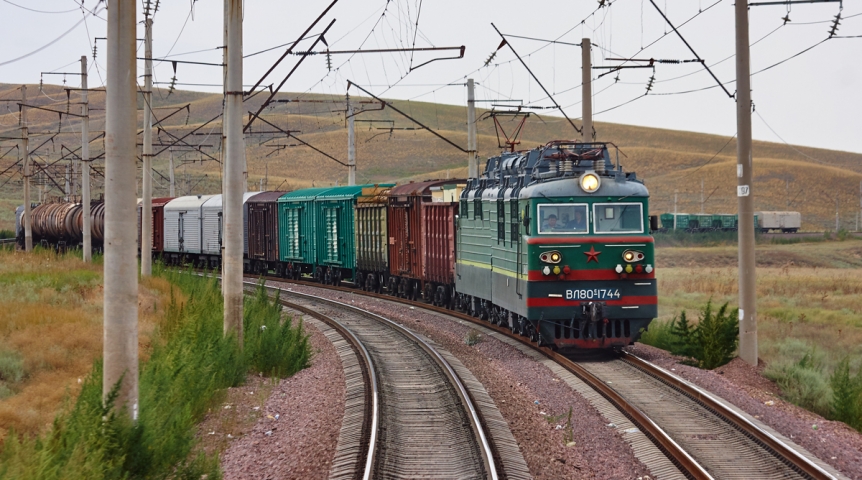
(530, 398)
(296, 435)
(744, 386)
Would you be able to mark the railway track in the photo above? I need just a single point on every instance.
(702, 436)
(417, 417)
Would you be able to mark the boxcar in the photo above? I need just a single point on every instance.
(158, 221)
(183, 227)
(158, 205)
(786, 222)
(422, 231)
(212, 222)
(316, 231)
(262, 235)
(372, 241)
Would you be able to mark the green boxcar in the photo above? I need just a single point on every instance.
(317, 231)
(666, 221)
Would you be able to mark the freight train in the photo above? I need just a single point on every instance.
(553, 243)
(784, 222)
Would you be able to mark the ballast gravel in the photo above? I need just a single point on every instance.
(297, 431)
(744, 386)
(533, 401)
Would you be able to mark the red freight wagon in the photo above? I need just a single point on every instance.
(422, 239)
(158, 224)
(263, 233)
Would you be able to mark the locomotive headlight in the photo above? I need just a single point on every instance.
(551, 257)
(631, 256)
(590, 182)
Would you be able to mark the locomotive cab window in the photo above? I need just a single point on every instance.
(563, 218)
(618, 217)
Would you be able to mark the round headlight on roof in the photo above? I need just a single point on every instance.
(590, 182)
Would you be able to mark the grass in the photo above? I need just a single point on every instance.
(809, 310)
(186, 365)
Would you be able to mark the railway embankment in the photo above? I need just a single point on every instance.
(52, 322)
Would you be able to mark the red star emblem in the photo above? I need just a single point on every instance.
(592, 255)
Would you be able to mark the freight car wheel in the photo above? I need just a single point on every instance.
(428, 294)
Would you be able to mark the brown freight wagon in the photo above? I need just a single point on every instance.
(263, 233)
(158, 224)
(372, 258)
(422, 239)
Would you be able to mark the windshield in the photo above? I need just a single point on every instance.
(618, 217)
(563, 218)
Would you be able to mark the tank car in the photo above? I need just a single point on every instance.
(554, 244)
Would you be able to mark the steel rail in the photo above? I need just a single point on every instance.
(676, 454)
(368, 371)
(461, 390)
(790, 456)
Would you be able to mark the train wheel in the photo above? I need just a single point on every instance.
(428, 294)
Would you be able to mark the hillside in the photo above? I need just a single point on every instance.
(806, 179)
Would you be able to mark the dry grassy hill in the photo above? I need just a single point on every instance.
(808, 179)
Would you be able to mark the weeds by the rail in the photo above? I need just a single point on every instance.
(7, 234)
(272, 346)
(805, 380)
(473, 337)
(190, 362)
(710, 343)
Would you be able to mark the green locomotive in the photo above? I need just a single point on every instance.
(554, 243)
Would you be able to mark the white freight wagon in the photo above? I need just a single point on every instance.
(213, 225)
(787, 222)
(184, 225)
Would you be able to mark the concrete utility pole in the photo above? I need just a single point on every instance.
(85, 163)
(147, 156)
(747, 272)
(472, 149)
(171, 172)
(586, 91)
(121, 276)
(233, 175)
(837, 223)
(351, 145)
(67, 179)
(25, 152)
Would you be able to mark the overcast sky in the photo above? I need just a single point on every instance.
(814, 99)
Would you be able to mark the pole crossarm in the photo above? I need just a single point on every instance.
(290, 49)
(291, 135)
(506, 42)
(289, 74)
(417, 122)
(791, 2)
(49, 110)
(691, 49)
(186, 135)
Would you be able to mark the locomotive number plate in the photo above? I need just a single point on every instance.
(593, 294)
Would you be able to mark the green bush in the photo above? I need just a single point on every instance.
(710, 343)
(846, 395)
(7, 234)
(191, 361)
(11, 366)
(801, 377)
(272, 346)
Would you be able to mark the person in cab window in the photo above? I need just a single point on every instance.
(579, 223)
(550, 223)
